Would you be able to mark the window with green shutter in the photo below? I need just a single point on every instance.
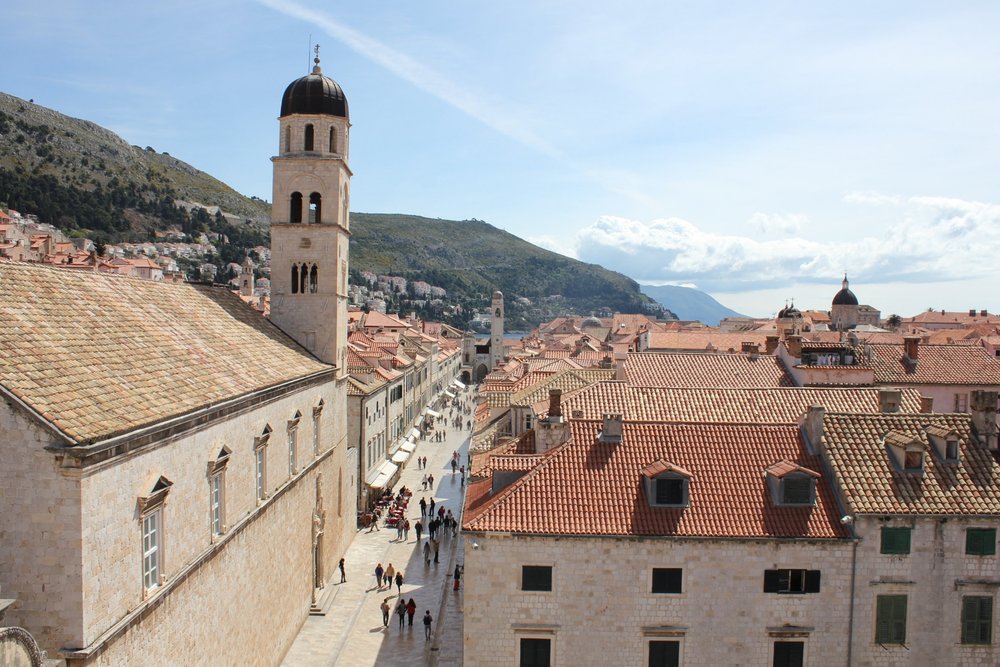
(890, 619)
(977, 619)
(981, 541)
(895, 540)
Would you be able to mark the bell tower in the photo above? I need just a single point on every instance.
(310, 222)
(496, 330)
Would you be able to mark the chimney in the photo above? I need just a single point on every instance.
(926, 404)
(770, 344)
(984, 417)
(749, 348)
(611, 430)
(794, 346)
(620, 368)
(555, 403)
(606, 362)
(972, 312)
(912, 346)
(889, 400)
(812, 425)
(984, 313)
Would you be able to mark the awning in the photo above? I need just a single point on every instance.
(433, 413)
(408, 446)
(400, 456)
(414, 432)
(449, 394)
(381, 475)
(458, 384)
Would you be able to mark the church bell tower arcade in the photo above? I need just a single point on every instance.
(310, 220)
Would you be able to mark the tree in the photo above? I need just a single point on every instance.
(893, 321)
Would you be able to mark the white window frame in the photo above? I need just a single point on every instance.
(152, 552)
(293, 445)
(260, 471)
(217, 491)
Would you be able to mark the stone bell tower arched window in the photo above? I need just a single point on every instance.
(308, 145)
(315, 204)
(313, 279)
(295, 278)
(295, 208)
(333, 140)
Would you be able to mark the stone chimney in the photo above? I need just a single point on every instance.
(620, 367)
(983, 405)
(927, 404)
(794, 346)
(912, 346)
(770, 344)
(554, 429)
(812, 425)
(749, 348)
(555, 403)
(606, 362)
(889, 400)
(611, 429)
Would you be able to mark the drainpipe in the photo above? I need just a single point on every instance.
(850, 613)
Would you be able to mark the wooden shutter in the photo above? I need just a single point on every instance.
(772, 581)
(812, 581)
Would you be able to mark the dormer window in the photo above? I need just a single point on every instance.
(792, 484)
(907, 451)
(667, 485)
(945, 443)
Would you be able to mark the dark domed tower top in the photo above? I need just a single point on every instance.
(314, 94)
(845, 297)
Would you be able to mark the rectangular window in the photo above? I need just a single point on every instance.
(913, 461)
(791, 581)
(293, 445)
(664, 653)
(895, 541)
(961, 402)
(977, 619)
(796, 491)
(260, 470)
(536, 578)
(981, 541)
(316, 432)
(789, 654)
(667, 579)
(670, 490)
(217, 498)
(535, 652)
(151, 538)
(890, 619)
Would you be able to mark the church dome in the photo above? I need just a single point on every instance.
(845, 297)
(314, 93)
(789, 312)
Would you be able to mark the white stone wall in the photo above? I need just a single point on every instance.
(934, 576)
(601, 600)
(40, 545)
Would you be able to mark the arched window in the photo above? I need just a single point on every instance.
(333, 140)
(309, 138)
(303, 278)
(288, 139)
(313, 279)
(314, 207)
(295, 210)
(295, 278)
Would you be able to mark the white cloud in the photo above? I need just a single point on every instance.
(928, 240)
(564, 245)
(784, 224)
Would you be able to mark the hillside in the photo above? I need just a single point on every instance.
(689, 304)
(89, 182)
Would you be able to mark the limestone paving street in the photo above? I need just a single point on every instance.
(352, 634)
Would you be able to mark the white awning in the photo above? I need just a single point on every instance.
(458, 384)
(414, 433)
(382, 475)
(408, 446)
(400, 456)
(433, 413)
(449, 394)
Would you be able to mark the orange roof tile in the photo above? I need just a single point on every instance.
(936, 364)
(585, 487)
(705, 370)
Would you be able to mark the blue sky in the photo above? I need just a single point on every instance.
(754, 150)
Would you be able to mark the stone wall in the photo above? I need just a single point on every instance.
(601, 610)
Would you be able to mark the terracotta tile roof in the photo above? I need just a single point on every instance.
(705, 370)
(97, 355)
(873, 484)
(376, 320)
(703, 341)
(771, 405)
(936, 364)
(588, 488)
(569, 380)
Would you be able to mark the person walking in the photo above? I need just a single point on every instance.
(423, 507)
(430, 512)
(454, 466)
(462, 473)
(385, 612)
(401, 612)
(419, 527)
(427, 625)
(424, 482)
(406, 530)
(430, 481)
(411, 609)
(390, 572)
(399, 583)
(437, 546)
(399, 531)
(457, 576)
(427, 552)
(379, 571)
(343, 575)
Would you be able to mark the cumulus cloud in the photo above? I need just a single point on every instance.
(787, 224)
(927, 240)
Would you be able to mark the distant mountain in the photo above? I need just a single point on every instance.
(89, 182)
(689, 304)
